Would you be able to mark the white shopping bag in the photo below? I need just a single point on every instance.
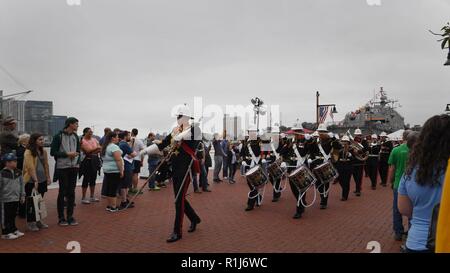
(39, 206)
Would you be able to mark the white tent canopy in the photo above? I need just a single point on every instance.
(397, 135)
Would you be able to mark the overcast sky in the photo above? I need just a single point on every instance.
(126, 63)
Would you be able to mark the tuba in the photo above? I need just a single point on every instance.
(358, 149)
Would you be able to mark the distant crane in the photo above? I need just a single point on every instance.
(15, 94)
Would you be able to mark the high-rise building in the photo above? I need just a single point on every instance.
(38, 116)
(16, 109)
(57, 124)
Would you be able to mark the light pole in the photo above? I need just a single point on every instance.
(257, 103)
(334, 111)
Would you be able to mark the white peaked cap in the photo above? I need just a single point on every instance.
(183, 110)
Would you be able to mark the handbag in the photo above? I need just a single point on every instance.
(40, 209)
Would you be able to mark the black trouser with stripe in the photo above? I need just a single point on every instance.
(182, 206)
(9, 213)
(254, 196)
(372, 167)
(300, 209)
(323, 191)
(276, 183)
(357, 173)
(345, 174)
(321, 187)
(383, 168)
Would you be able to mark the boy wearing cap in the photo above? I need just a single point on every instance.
(11, 192)
(65, 148)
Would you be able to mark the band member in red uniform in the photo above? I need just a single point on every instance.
(184, 140)
(383, 166)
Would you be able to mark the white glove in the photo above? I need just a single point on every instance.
(330, 134)
(185, 135)
(264, 161)
(310, 161)
(307, 136)
(283, 165)
(244, 163)
(151, 150)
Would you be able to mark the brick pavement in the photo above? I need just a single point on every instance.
(226, 227)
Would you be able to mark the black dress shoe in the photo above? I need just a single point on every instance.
(194, 225)
(297, 216)
(358, 193)
(206, 190)
(323, 206)
(249, 208)
(343, 199)
(173, 238)
(275, 199)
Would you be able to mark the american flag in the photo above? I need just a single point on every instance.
(323, 112)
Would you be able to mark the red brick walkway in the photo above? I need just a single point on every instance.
(226, 227)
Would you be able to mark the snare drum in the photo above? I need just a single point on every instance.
(326, 173)
(275, 169)
(256, 177)
(302, 178)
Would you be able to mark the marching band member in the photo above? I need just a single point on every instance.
(344, 166)
(358, 165)
(299, 153)
(251, 158)
(319, 152)
(372, 161)
(276, 146)
(383, 166)
(185, 139)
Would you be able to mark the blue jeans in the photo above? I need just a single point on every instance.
(397, 217)
(152, 164)
(233, 168)
(203, 177)
(225, 167)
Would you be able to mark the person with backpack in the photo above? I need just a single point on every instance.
(65, 148)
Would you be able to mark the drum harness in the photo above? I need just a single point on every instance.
(284, 186)
(327, 158)
(255, 161)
